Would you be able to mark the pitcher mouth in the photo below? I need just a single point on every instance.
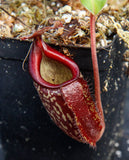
(50, 68)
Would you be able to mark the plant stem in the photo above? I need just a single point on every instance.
(95, 66)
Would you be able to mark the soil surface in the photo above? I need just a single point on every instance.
(23, 17)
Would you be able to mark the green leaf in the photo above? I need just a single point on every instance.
(94, 6)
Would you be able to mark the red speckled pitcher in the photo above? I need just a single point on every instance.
(64, 93)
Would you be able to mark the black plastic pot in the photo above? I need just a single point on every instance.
(27, 132)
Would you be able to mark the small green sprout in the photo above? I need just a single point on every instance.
(94, 6)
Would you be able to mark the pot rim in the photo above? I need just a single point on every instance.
(63, 45)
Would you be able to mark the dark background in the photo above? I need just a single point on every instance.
(26, 131)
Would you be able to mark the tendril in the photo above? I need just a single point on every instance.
(25, 59)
